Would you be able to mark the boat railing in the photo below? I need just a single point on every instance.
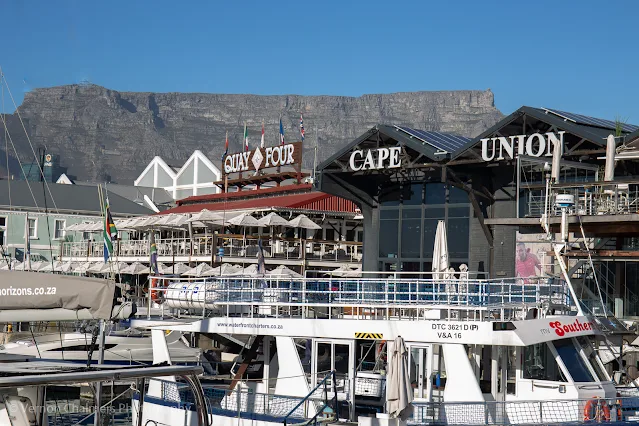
(569, 411)
(243, 402)
(378, 298)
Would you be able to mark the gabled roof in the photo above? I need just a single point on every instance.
(594, 133)
(72, 199)
(436, 146)
(149, 168)
(197, 154)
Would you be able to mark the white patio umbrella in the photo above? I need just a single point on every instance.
(347, 272)
(205, 215)
(177, 269)
(177, 220)
(82, 268)
(302, 221)
(249, 271)
(243, 219)
(136, 268)
(224, 269)
(48, 267)
(20, 266)
(283, 271)
(96, 268)
(68, 267)
(440, 252)
(399, 393)
(272, 219)
(117, 268)
(198, 271)
(13, 264)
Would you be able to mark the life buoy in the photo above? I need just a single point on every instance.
(597, 409)
(619, 410)
(156, 295)
(380, 347)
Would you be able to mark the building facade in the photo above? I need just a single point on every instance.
(49, 210)
(491, 191)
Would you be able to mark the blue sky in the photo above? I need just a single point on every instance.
(579, 56)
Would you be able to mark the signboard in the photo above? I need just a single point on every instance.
(47, 160)
(263, 158)
(375, 159)
(507, 148)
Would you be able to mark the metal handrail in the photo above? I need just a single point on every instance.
(323, 383)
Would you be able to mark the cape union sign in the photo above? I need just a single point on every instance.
(375, 159)
(507, 148)
(263, 158)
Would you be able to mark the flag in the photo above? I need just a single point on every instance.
(281, 132)
(110, 232)
(262, 141)
(226, 146)
(261, 266)
(246, 148)
(302, 133)
(154, 254)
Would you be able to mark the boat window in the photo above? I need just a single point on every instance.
(82, 348)
(586, 345)
(540, 364)
(572, 360)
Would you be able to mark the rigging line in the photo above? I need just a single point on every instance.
(28, 139)
(6, 142)
(61, 342)
(20, 163)
(35, 341)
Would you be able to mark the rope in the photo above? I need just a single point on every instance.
(29, 140)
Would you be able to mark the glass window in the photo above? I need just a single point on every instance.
(572, 360)
(390, 196)
(388, 237)
(411, 230)
(3, 230)
(457, 195)
(342, 357)
(436, 212)
(459, 211)
(457, 246)
(86, 236)
(430, 227)
(413, 194)
(33, 231)
(540, 364)
(330, 234)
(435, 193)
(58, 231)
(389, 214)
(350, 235)
(411, 213)
(589, 351)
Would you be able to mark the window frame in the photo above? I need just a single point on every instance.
(35, 228)
(62, 229)
(4, 228)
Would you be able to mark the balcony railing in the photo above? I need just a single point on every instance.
(591, 198)
(232, 246)
(366, 297)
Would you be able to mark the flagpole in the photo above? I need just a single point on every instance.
(315, 157)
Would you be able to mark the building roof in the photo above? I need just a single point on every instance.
(136, 193)
(435, 146)
(63, 198)
(246, 194)
(312, 200)
(594, 130)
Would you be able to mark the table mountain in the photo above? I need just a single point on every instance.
(102, 134)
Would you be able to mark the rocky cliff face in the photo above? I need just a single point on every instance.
(102, 134)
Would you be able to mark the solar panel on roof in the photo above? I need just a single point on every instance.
(591, 121)
(440, 141)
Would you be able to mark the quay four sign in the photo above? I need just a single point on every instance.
(263, 158)
(507, 148)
